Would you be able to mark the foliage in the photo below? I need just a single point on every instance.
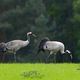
(57, 19)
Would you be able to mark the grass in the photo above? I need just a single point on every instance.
(26, 71)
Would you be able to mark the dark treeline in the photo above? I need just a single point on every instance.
(57, 19)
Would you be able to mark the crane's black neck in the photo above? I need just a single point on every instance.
(28, 38)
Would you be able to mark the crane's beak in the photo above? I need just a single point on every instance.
(71, 56)
(34, 35)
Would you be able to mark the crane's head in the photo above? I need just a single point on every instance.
(30, 33)
(67, 51)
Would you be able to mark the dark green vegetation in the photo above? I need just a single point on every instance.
(57, 19)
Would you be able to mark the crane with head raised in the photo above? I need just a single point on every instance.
(14, 45)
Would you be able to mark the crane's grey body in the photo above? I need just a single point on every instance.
(14, 45)
(53, 46)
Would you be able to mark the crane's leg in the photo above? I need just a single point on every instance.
(49, 55)
(15, 56)
(3, 58)
(54, 57)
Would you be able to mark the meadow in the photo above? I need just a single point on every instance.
(39, 71)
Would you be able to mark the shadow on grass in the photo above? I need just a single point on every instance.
(32, 74)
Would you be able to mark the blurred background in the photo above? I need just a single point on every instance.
(57, 19)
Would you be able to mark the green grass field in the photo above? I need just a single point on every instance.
(26, 71)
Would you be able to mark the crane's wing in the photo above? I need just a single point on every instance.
(15, 44)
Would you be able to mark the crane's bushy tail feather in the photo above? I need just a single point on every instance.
(41, 44)
(2, 47)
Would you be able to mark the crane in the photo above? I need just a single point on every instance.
(53, 47)
(14, 45)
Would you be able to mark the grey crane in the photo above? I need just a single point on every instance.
(53, 46)
(14, 45)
